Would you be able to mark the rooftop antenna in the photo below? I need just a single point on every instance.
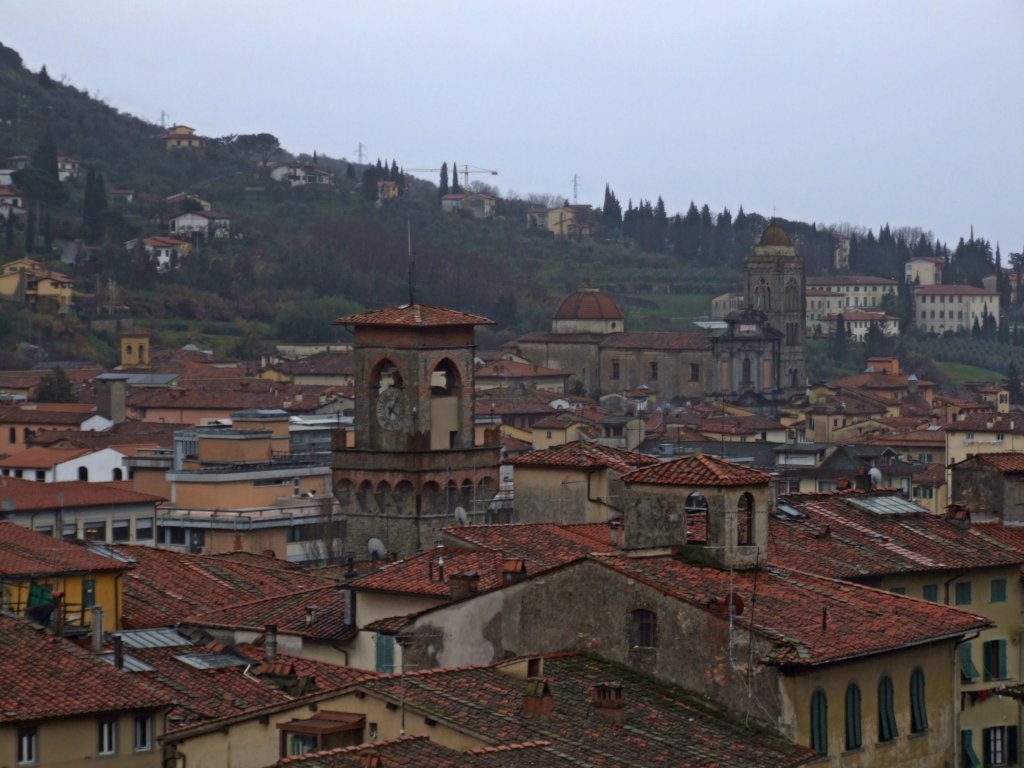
(412, 264)
(575, 188)
(163, 119)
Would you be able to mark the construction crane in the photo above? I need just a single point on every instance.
(466, 170)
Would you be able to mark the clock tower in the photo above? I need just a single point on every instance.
(414, 466)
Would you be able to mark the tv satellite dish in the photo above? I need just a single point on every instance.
(460, 516)
(876, 476)
(376, 549)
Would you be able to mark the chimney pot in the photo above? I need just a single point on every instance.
(118, 652)
(97, 629)
(609, 701)
(537, 699)
(270, 642)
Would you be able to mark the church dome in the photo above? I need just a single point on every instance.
(775, 235)
(588, 304)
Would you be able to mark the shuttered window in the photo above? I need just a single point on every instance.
(918, 709)
(969, 758)
(385, 653)
(853, 739)
(819, 722)
(886, 714)
(968, 671)
(994, 659)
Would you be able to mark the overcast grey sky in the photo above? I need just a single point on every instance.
(909, 112)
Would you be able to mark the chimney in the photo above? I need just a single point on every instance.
(609, 701)
(270, 642)
(463, 585)
(97, 629)
(310, 615)
(351, 572)
(440, 569)
(370, 760)
(513, 571)
(537, 699)
(118, 652)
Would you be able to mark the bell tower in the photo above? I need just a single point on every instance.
(415, 466)
(774, 283)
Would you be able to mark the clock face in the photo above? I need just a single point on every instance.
(390, 408)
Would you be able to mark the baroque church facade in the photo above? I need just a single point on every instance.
(758, 360)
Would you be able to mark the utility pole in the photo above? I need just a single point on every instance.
(575, 188)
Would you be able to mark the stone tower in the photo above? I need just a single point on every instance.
(774, 284)
(415, 460)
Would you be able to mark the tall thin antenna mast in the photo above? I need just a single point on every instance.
(359, 152)
(412, 265)
(575, 188)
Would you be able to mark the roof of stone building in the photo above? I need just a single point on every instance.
(952, 290)
(696, 341)
(414, 315)
(542, 545)
(429, 574)
(330, 363)
(859, 620)
(584, 455)
(588, 303)
(837, 535)
(516, 369)
(26, 553)
(39, 457)
(988, 421)
(698, 470)
(44, 676)
(317, 614)
(1009, 462)
(663, 724)
(850, 280)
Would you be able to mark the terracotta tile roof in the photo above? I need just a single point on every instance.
(699, 470)
(214, 398)
(583, 455)
(290, 612)
(416, 315)
(392, 625)
(563, 420)
(44, 677)
(165, 586)
(662, 724)
(989, 422)
(1003, 462)
(28, 496)
(860, 621)
(125, 433)
(932, 474)
(204, 696)
(322, 363)
(849, 280)
(515, 369)
(856, 315)
(542, 545)
(403, 752)
(952, 290)
(38, 457)
(837, 539)
(421, 574)
(695, 341)
(27, 553)
(28, 415)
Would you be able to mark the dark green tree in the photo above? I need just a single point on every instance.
(687, 234)
(840, 340)
(44, 78)
(456, 187)
(875, 342)
(611, 211)
(442, 187)
(40, 181)
(94, 206)
(350, 171)
(9, 232)
(30, 232)
(1013, 382)
(56, 387)
(370, 183)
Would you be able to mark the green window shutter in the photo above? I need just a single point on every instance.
(819, 723)
(1011, 745)
(967, 669)
(986, 746)
(970, 757)
(385, 653)
(918, 707)
(987, 654)
(1001, 649)
(963, 593)
(930, 592)
(88, 593)
(886, 716)
(853, 740)
(998, 591)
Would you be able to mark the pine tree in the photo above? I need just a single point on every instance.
(442, 187)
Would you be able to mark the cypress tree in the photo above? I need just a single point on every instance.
(442, 187)
(1013, 382)
(456, 189)
(9, 232)
(840, 341)
(30, 233)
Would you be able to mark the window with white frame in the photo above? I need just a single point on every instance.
(107, 742)
(28, 745)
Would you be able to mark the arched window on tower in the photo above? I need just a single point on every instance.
(762, 296)
(792, 295)
(696, 513)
